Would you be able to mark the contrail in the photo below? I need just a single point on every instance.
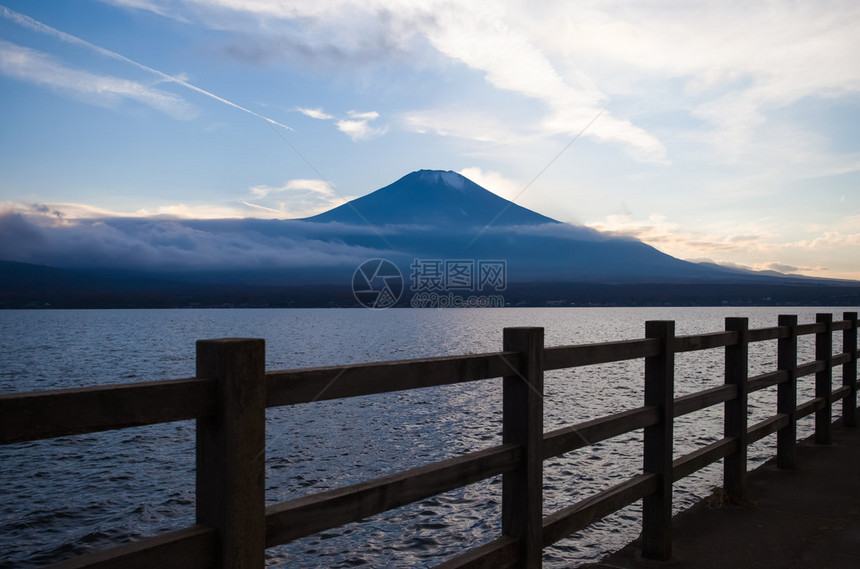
(249, 204)
(539, 174)
(37, 26)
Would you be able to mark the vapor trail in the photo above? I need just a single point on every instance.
(539, 174)
(37, 26)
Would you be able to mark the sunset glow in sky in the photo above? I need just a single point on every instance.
(719, 130)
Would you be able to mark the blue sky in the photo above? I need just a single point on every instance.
(722, 130)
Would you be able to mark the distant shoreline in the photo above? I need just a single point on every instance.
(516, 295)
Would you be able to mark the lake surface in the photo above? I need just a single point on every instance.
(69, 495)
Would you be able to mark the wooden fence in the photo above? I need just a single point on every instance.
(232, 390)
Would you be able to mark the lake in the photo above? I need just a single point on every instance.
(69, 495)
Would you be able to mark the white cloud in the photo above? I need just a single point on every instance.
(495, 182)
(297, 198)
(749, 245)
(727, 64)
(364, 116)
(358, 126)
(479, 126)
(63, 212)
(783, 268)
(482, 37)
(151, 5)
(193, 211)
(484, 40)
(315, 113)
(35, 67)
(829, 240)
(57, 211)
(671, 238)
(294, 199)
(786, 49)
(768, 266)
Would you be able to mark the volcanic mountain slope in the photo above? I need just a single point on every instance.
(427, 215)
(443, 215)
(435, 198)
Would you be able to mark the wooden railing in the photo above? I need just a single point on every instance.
(231, 391)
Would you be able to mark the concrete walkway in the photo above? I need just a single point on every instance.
(804, 518)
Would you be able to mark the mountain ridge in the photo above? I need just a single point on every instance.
(426, 216)
(419, 198)
(478, 223)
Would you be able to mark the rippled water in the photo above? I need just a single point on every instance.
(72, 494)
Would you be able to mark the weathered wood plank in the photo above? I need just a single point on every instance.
(764, 334)
(840, 359)
(62, 412)
(765, 380)
(689, 463)
(842, 324)
(810, 407)
(849, 369)
(824, 378)
(810, 367)
(786, 395)
(189, 548)
(498, 554)
(574, 518)
(522, 425)
(318, 512)
(290, 387)
(766, 427)
(599, 353)
(735, 414)
(231, 451)
(704, 341)
(657, 442)
(840, 393)
(806, 329)
(693, 402)
(567, 439)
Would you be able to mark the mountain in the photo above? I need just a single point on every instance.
(425, 224)
(444, 215)
(434, 198)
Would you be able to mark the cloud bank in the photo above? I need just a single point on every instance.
(48, 238)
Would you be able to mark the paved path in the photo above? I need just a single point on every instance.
(804, 518)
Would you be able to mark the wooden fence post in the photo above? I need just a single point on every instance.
(231, 448)
(824, 378)
(786, 394)
(735, 420)
(849, 370)
(658, 439)
(522, 424)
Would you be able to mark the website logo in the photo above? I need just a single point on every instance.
(377, 283)
(452, 283)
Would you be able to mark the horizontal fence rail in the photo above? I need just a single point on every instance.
(231, 391)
